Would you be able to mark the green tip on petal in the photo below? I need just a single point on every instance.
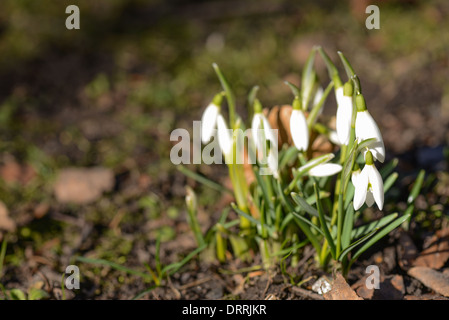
(369, 158)
(360, 102)
(297, 104)
(348, 89)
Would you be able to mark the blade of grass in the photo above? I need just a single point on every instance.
(202, 179)
(174, 267)
(115, 266)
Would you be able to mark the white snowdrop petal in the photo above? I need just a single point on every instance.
(224, 135)
(344, 115)
(299, 130)
(354, 176)
(325, 170)
(366, 128)
(208, 122)
(361, 189)
(377, 185)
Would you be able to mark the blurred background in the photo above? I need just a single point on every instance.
(105, 98)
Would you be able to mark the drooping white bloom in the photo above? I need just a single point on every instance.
(366, 128)
(224, 136)
(209, 121)
(369, 187)
(344, 115)
(259, 121)
(319, 166)
(299, 130)
(325, 170)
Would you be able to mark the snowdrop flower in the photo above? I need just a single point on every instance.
(319, 167)
(209, 118)
(368, 185)
(261, 127)
(343, 95)
(262, 132)
(366, 128)
(224, 136)
(298, 127)
(325, 170)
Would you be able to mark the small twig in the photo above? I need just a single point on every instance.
(194, 283)
(307, 293)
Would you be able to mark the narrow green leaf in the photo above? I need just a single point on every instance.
(295, 90)
(308, 79)
(252, 219)
(348, 224)
(416, 186)
(289, 155)
(202, 179)
(332, 70)
(363, 230)
(348, 68)
(316, 108)
(115, 266)
(174, 267)
(304, 227)
(229, 94)
(298, 216)
(390, 181)
(350, 247)
(364, 144)
(303, 204)
(252, 96)
(396, 223)
(388, 168)
(323, 224)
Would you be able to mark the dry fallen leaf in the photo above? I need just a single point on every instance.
(341, 290)
(406, 250)
(6, 223)
(437, 252)
(12, 172)
(82, 185)
(431, 278)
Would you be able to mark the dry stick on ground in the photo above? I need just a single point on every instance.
(307, 294)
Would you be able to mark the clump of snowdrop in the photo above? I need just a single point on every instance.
(303, 196)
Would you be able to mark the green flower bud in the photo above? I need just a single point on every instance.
(348, 89)
(360, 103)
(297, 105)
